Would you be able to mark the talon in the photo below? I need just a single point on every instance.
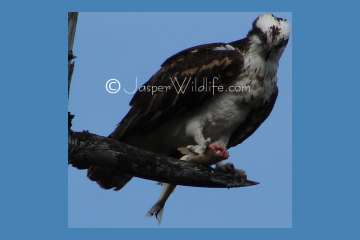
(241, 173)
(230, 167)
(192, 150)
(225, 168)
(207, 144)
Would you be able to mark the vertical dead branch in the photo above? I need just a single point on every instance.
(72, 20)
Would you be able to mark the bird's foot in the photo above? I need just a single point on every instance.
(204, 154)
(229, 168)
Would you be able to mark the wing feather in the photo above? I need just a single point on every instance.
(256, 117)
(150, 110)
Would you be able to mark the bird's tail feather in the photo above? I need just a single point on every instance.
(108, 179)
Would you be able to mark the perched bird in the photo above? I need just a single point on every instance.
(213, 97)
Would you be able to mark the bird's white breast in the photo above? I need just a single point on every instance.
(227, 110)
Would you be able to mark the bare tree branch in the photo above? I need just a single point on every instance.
(72, 20)
(87, 149)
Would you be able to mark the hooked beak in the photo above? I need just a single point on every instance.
(269, 52)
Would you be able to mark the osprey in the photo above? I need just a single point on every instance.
(208, 98)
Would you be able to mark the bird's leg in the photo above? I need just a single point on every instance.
(199, 137)
(204, 152)
(215, 150)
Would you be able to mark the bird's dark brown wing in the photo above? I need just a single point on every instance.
(256, 117)
(151, 110)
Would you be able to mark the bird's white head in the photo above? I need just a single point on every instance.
(270, 34)
(275, 29)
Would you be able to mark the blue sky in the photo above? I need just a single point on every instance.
(129, 46)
